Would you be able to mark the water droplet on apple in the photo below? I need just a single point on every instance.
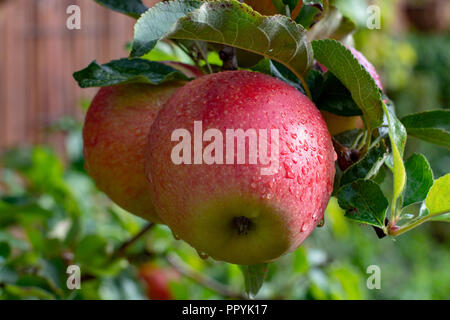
(253, 185)
(292, 189)
(202, 255)
(303, 227)
(305, 146)
(289, 173)
(175, 236)
(268, 196)
(317, 177)
(315, 216)
(290, 146)
(320, 159)
(321, 223)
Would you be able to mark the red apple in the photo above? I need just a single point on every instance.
(240, 211)
(115, 136)
(157, 281)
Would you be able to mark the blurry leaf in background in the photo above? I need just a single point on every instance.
(5, 250)
(432, 126)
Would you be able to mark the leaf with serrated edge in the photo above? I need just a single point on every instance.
(419, 179)
(368, 166)
(438, 198)
(157, 22)
(432, 126)
(340, 61)
(230, 23)
(126, 71)
(364, 202)
(132, 8)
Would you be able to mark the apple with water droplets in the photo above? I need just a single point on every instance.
(241, 166)
(115, 137)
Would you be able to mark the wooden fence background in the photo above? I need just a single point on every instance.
(38, 55)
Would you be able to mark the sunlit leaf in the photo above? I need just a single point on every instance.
(419, 179)
(230, 23)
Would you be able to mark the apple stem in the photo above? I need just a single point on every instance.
(202, 279)
(122, 249)
(228, 56)
(346, 156)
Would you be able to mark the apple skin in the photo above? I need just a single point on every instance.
(338, 124)
(115, 136)
(157, 281)
(202, 203)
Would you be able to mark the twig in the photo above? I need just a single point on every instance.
(228, 56)
(205, 281)
(121, 250)
(346, 156)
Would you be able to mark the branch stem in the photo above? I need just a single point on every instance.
(203, 280)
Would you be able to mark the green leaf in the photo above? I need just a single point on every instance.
(336, 98)
(356, 10)
(419, 179)
(340, 61)
(280, 5)
(132, 8)
(397, 136)
(254, 277)
(277, 70)
(432, 126)
(332, 25)
(438, 198)
(5, 250)
(368, 166)
(91, 252)
(315, 82)
(19, 292)
(307, 15)
(156, 23)
(126, 71)
(363, 201)
(230, 23)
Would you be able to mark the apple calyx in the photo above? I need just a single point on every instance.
(242, 224)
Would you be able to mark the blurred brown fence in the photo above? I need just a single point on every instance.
(38, 55)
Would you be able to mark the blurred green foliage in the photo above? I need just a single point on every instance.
(52, 215)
